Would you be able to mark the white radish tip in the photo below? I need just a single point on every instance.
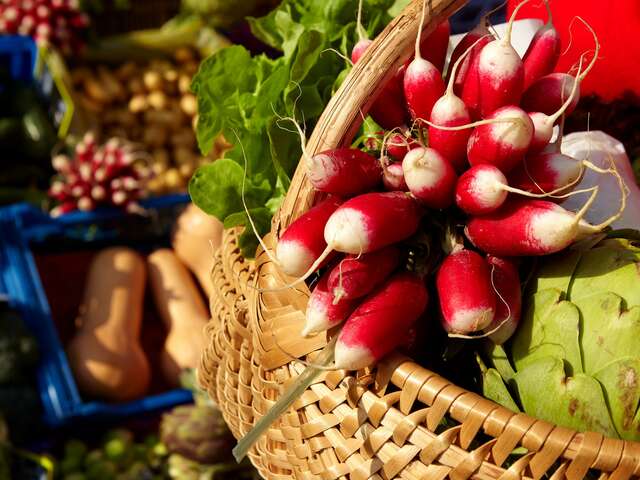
(60, 162)
(85, 204)
(116, 183)
(136, 208)
(470, 320)
(119, 197)
(98, 192)
(77, 191)
(352, 357)
(293, 257)
(130, 183)
(100, 174)
(85, 171)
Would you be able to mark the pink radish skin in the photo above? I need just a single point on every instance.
(479, 34)
(322, 314)
(433, 48)
(302, 242)
(451, 111)
(423, 86)
(548, 93)
(399, 145)
(506, 280)
(343, 171)
(356, 276)
(359, 49)
(502, 144)
(467, 299)
(500, 75)
(546, 172)
(393, 178)
(372, 221)
(480, 190)
(542, 54)
(430, 177)
(524, 227)
(378, 325)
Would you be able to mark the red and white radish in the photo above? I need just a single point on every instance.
(506, 281)
(496, 77)
(479, 37)
(433, 47)
(467, 298)
(524, 227)
(359, 49)
(422, 82)
(398, 145)
(502, 140)
(343, 171)
(302, 242)
(430, 177)
(450, 111)
(323, 311)
(546, 173)
(543, 52)
(357, 275)
(547, 94)
(378, 325)
(480, 190)
(393, 177)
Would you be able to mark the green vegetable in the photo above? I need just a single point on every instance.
(574, 359)
(242, 97)
(198, 433)
(222, 13)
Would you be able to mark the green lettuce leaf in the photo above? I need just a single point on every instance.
(250, 99)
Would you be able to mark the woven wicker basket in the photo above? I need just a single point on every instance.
(398, 420)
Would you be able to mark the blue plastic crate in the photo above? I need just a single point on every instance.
(18, 54)
(23, 226)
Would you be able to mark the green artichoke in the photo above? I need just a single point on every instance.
(197, 432)
(575, 358)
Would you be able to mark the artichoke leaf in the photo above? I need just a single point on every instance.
(557, 271)
(608, 331)
(576, 402)
(550, 328)
(613, 266)
(621, 383)
(493, 388)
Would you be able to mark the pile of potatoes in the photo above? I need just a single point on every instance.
(149, 104)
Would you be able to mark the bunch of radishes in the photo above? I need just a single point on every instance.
(59, 22)
(483, 145)
(98, 175)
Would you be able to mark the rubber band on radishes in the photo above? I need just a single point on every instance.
(423, 83)
(430, 177)
(379, 323)
(467, 299)
(449, 110)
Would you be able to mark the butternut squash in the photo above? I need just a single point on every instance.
(105, 355)
(195, 238)
(180, 306)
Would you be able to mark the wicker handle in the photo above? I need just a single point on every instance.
(343, 115)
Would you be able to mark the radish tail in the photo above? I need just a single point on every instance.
(297, 388)
(507, 37)
(362, 34)
(454, 69)
(417, 53)
(488, 121)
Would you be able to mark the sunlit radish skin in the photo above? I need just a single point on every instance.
(372, 221)
(393, 178)
(398, 145)
(430, 177)
(343, 171)
(479, 34)
(322, 313)
(356, 276)
(423, 86)
(546, 172)
(504, 143)
(542, 54)
(467, 299)
(433, 48)
(381, 321)
(303, 242)
(506, 281)
(523, 227)
(480, 190)
(548, 93)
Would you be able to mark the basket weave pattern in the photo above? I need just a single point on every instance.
(398, 420)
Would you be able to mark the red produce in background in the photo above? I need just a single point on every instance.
(616, 23)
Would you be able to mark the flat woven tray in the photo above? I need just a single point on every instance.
(398, 420)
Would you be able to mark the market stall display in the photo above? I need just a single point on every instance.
(394, 418)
